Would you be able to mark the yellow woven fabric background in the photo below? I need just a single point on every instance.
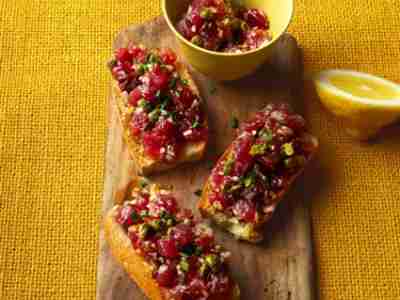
(53, 91)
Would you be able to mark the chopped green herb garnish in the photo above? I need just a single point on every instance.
(152, 58)
(287, 149)
(295, 161)
(265, 135)
(206, 13)
(258, 149)
(172, 115)
(144, 230)
(228, 165)
(172, 83)
(155, 224)
(212, 261)
(198, 251)
(234, 123)
(143, 103)
(112, 63)
(234, 187)
(184, 265)
(134, 217)
(198, 193)
(154, 115)
(289, 162)
(165, 102)
(144, 213)
(250, 179)
(203, 268)
(185, 81)
(143, 182)
(196, 124)
(141, 69)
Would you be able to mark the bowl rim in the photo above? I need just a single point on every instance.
(224, 54)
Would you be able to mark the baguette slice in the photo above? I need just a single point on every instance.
(134, 264)
(146, 165)
(249, 231)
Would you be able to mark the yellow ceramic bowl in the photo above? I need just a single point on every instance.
(230, 66)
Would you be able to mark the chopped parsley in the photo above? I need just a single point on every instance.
(185, 81)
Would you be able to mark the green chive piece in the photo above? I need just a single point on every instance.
(152, 58)
(265, 135)
(196, 124)
(207, 13)
(184, 265)
(155, 224)
(144, 230)
(154, 115)
(212, 261)
(141, 69)
(143, 182)
(250, 179)
(258, 149)
(172, 83)
(228, 166)
(287, 149)
(135, 217)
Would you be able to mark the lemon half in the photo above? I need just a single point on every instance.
(365, 102)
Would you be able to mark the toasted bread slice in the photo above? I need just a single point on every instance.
(134, 264)
(251, 231)
(145, 165)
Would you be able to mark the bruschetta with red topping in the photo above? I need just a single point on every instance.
(160, 108)
(252, 176)
(165, 250)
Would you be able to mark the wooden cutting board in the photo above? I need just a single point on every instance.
(281, 267)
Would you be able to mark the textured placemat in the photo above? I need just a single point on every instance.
(53, 90)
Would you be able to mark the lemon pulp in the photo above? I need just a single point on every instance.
(363, 87)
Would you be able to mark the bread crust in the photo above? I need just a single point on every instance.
(137, 268)
(145, 165)
(246, 231)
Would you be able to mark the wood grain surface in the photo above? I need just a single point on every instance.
(280, 268)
